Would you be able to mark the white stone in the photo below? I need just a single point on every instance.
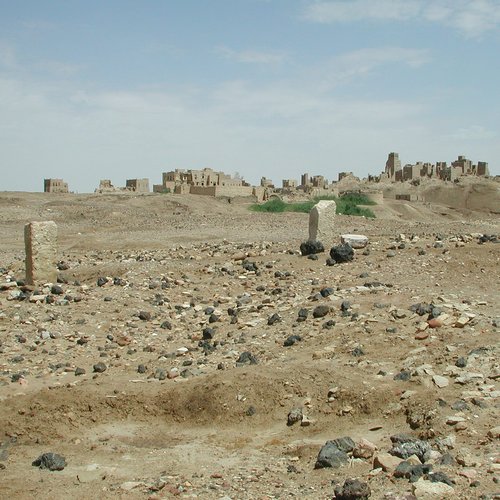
(40, 240)
(322, 221)
(427, 490)
(355, 240)
(440, 381)
(454, 419)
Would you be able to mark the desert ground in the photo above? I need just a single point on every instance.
(157, 366)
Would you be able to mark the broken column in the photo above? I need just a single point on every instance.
(40, 240)
(322, 220)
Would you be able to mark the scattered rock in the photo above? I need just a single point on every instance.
(331, 456)
(353, 489)
(295, 415)
(246, 358)
(311, 247)
(386, 462)
(342, 253)
(440, 381)
(428, 490)
(100, 367)
(321, 311)
(292, 340)
(51, 461)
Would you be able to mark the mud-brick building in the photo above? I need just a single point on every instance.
(55, 186)
(137, 185)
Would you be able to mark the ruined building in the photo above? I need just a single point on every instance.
(206, 182)
(440, 170)
(197, 178)
(289, 183)
(55, 186)
(266, 183)
(137, 185)
(316, 181)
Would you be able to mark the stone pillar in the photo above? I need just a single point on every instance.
(40, 240)
(322, 221)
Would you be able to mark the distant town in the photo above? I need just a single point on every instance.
(209, 182)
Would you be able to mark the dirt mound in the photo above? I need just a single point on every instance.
(474, 196)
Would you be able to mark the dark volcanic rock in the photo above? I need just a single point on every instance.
(311, 247)
(406, 446)
(292, 340)
(101, 281)
(100, 367)
(331, 456)
(56, 290)
(342, 253)
(353, 489)
(345, 444)
(321, 311)
(208, 333)
(246, 358)
(51, 461)
(440, 477)
(274, 318)
(250, 266)
(411, 472)
(302, 316)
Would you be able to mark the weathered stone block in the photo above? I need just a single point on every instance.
(40, 240)
(322, 220)
(355, 240)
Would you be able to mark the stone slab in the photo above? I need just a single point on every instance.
(40, 240)
(355, 240)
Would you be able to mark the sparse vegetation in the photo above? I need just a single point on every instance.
(347, 205)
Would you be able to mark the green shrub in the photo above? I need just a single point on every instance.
(347, 205)
(274, 205)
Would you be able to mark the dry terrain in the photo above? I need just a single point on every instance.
(157, 366)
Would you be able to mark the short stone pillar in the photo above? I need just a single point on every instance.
(40, 241)
(322, 221)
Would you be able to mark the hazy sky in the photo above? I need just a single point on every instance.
(93, 89)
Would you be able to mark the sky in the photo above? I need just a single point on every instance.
(120, 89)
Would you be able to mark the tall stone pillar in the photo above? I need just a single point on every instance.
(40, 241)
(322, 221)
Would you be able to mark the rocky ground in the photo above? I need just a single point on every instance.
(189, 350)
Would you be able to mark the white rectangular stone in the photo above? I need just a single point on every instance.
(322, 221)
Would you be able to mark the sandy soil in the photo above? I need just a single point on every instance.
(192, 422)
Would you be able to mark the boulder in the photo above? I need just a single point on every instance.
(342, 253)
(311, 247)
(331, 456)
